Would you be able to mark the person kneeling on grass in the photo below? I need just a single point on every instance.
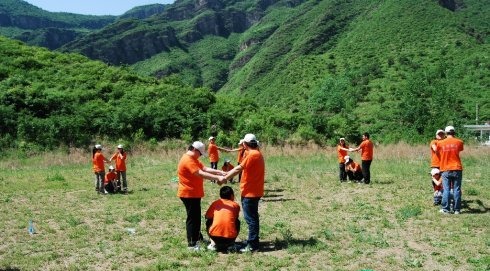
(437, 185)
(222, 224)
(110, 181)
(353, 169)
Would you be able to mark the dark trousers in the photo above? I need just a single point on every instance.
(214, 165)
(354, 176)
(342, 173)
(251, 214)
(193, 221)
(366, 171)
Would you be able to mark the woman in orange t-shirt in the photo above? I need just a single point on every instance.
(213, 152)
(191, 174)
(120, 157)
(434, 156)
(98, 161)
(342, 149)
(252, 188)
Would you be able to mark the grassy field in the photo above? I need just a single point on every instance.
(309, 220)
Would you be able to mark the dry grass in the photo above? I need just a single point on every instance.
(308, 219)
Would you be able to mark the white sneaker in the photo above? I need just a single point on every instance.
(211, 247)
(194, 248)
(443, 212)
(457, 212)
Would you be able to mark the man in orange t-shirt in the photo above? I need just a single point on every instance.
(366, 149)
(342, 149)
(222, 222)
(451, 168)
(191, 173)
(252, 188)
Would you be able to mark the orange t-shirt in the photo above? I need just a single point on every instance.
(366, 150)
(448, 150)
(213, 153)
(98, 162)
(341, 153)
(110, 176)
(224, 214)
(353, 166)
(434, 156)
(190, 185)
(253, 174)
(227, 167)
(120, 161)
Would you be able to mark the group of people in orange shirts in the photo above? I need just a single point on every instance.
(222, 222)
(350, 170)
(115, 179)
(447, 170)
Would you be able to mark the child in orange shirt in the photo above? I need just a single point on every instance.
(222, 222)
(437, 184)
(110, 181)
(353, 169)
(227, 166)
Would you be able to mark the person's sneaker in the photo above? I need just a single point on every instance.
(248, 248)
(194, 248)
(442, 211)
(211, 247)
(457, 212)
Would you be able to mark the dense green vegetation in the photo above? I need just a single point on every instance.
(289, 71)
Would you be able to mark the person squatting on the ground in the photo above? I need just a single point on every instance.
(110, 181)
(222, 224)
(191, 173)
(120, 157)
(353, 170)
(342, 149)
(451, 168)
(366, 149)
(252, 188)
(437, 185)
(98, 166)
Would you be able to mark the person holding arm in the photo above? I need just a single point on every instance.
(191, 173)
(366, 149)
(98, 166)
(213, 151)
(120, 157)
(342, 149)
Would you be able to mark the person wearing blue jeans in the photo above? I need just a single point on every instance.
(251, 214)
(452, 178)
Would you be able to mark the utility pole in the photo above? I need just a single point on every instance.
(476, 114)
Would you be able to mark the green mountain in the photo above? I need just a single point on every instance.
(143, 12)
(328, 67)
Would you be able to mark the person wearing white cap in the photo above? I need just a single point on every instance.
(252, 188)
(98, 166)
(353, 170)
(120, 157)
(437, 184)
(342, 149)
(110, 181)
(451, 168)
(191, 173)
(434, 157)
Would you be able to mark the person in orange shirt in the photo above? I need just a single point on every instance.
(353, 169)
(366, 149)
(227, 166)
(342, 149)
(222, 224)
(451, 168)
(241, 153)
(191, 173)
(252, 188)
(98, 166)
(213, 152)
(110, 181)
(434, 156)
(437, 184)
(120, 157)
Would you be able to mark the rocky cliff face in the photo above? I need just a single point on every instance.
(143, 12)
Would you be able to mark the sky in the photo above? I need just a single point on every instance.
(93, 7)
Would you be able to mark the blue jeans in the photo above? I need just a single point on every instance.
(451, 178)
(251, 214)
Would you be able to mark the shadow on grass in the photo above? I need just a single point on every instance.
(481, 209)
(274, 190)
(384, 182)
(284, 244)
(10, 269)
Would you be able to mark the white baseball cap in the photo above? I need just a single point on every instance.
(342, 139)
(449, 129)
(439, 132)
(98, 146)
(120, 146)
(250, 138)
(198, 145)
(347, 159)
(434, 171)
(111, 167)
(211, 137)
